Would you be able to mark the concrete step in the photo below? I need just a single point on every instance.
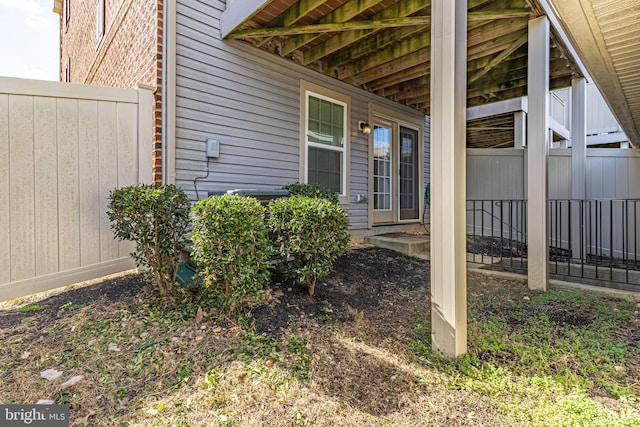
(409, 244)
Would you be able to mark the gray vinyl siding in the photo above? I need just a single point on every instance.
(250, 101)
(427, 163)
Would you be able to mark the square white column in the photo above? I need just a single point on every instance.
(538, 154)
(448, 176)
(578, 163)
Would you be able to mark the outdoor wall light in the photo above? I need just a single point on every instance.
(364, 127)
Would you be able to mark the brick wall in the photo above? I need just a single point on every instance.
(129, 52)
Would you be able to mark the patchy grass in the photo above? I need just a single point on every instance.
(358, 353)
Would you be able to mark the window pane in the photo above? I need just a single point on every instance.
(325, 122)
(409, 192)
(382, 168)
(314, 107)
(325, 168)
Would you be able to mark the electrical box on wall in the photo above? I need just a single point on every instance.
(213, 147)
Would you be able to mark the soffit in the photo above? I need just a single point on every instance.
(382, 46)
(606, 33)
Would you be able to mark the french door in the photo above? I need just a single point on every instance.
(396, 178)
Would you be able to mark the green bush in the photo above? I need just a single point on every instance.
(309, 233)
(231, 248)
(311, 190)
(156, 219)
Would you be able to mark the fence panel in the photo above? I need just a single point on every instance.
(63, 148)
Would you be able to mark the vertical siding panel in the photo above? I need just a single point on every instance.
(559, 175)
(108, 156)
(68, 184)
(89, 182)
(621, 190)
(21, 193)
(127, 134)
(553, 177)
(5, 225)
(595, 179)
(634, 177)
(46, 185)
(608, 177)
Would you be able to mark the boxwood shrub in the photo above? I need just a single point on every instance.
(231, 248)
(156, 219)
(311, 190)
(308, 234)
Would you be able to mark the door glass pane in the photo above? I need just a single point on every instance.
(382, 168)
(409, 179)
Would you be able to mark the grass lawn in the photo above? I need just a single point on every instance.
(356, 354)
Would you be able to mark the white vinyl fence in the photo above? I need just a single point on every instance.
(610, 216)
(63, 148)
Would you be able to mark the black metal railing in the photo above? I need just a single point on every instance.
(595, 240)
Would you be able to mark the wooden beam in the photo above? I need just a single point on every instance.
(331, 27)
(409, 76)
(492, 15)
(338, 42)
(293, 15)
(498, 59)
(405, 47)
(297, 11)
(379, 41)
(344, 13)
(390, 68)
(492, 30)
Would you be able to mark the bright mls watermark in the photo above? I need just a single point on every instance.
(34, 415)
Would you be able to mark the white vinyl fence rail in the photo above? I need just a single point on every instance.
(63, 148)
(498, 175)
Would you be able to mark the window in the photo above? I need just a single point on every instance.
(67, 71)
(100, 20)
(325, 140)
(66, 9)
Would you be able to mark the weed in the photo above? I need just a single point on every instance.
(301, 365)
(30, 308)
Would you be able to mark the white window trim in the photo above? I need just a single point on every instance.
(101, 23)
(306, 89)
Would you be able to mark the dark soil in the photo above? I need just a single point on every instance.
(365, 280)
(122, 288)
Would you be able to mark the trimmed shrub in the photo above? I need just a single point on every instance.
(156, 219)
(231, 248)
(309, 234)
(311, 190)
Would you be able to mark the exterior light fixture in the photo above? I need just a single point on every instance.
(364, 127)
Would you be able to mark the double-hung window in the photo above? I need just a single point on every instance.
(325, 141)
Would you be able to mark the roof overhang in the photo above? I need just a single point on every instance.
(606, 35)
(383, 46)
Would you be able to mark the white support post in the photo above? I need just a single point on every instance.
(578, 163)
(538, 154)
(519, 129)
(448, 177)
